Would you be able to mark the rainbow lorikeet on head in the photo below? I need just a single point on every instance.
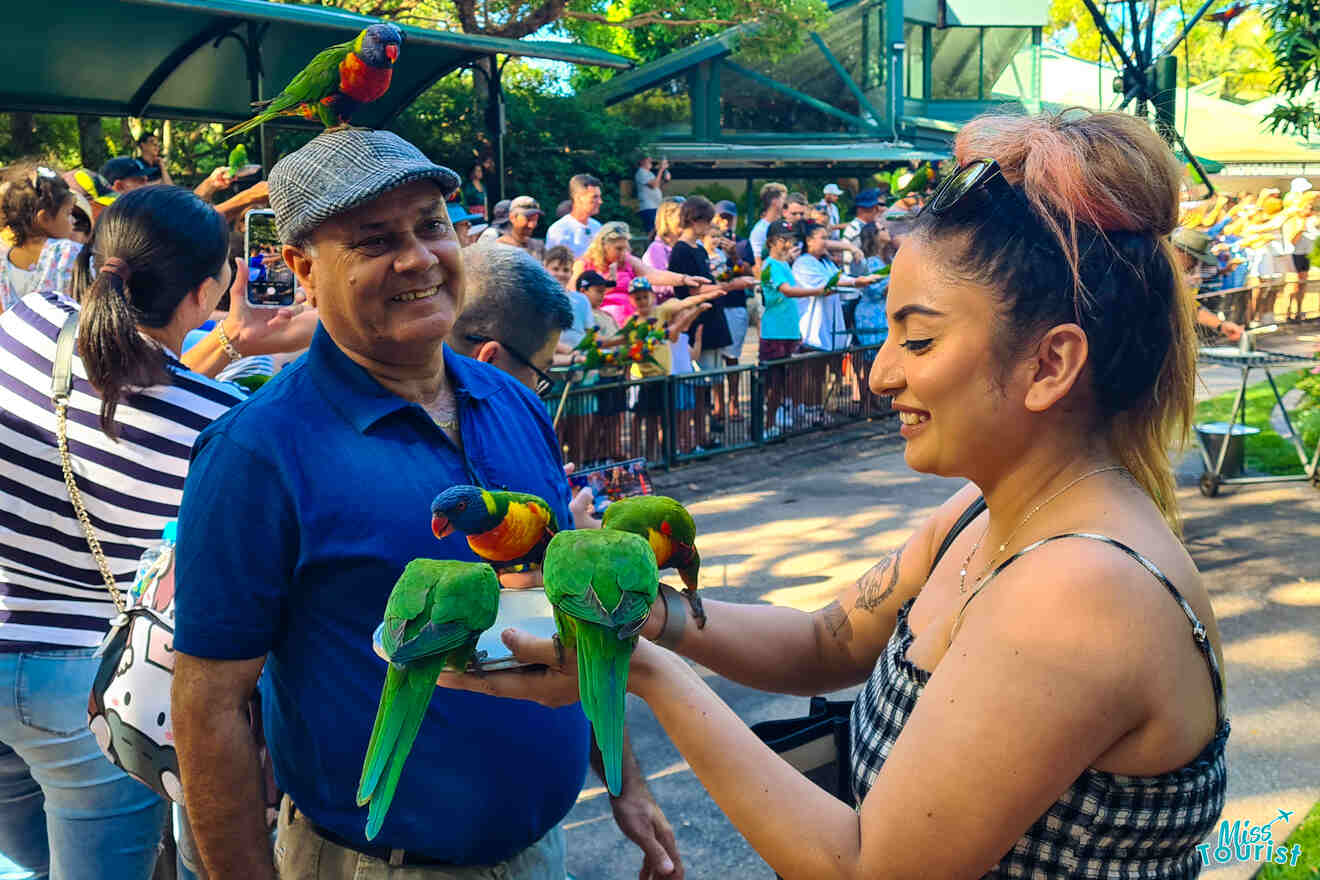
(336, 82)
(434, 615)
(601, 584)
(505, 528)
(669, 529)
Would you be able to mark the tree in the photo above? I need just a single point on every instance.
(1240, 55)
(1296, 44)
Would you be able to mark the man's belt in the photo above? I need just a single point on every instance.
(395, 857)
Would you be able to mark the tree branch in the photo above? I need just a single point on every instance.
(645, 18)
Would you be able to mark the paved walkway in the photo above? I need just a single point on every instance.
(791, 525)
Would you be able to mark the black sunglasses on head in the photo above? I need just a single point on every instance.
(543, 380)
(977, 185)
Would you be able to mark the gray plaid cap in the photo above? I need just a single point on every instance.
(339, 170)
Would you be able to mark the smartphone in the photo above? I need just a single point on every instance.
(270, 281)
(610, 482)
(527, 610)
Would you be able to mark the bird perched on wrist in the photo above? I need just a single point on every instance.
(669, 529)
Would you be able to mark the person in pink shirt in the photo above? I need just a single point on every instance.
(609, 255)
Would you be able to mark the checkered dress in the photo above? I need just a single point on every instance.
(1105, 825)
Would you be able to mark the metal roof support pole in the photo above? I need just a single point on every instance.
(698, 82)
(855, 121)
(141, 99)
(496, 123)
(713, 121)
(848, 81)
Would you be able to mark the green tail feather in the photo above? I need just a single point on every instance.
(403, 703)
(603, 683)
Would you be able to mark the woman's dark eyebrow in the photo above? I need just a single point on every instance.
(915, 309)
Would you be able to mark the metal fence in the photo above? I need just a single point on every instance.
(1273, 301)
(671, 419)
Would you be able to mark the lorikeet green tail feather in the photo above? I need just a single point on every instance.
(603, 691)
(403, 706)
(433, 618)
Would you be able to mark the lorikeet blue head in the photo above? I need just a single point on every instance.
(378, 45)
(467, 509)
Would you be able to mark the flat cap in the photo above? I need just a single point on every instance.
(338, 170)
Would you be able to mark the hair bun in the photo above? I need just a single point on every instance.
(1109, 170)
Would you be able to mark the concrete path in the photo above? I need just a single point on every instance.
(792, 525)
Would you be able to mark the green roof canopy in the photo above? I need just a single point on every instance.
(201, 59)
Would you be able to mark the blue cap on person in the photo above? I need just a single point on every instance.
(640, 284)
(867, 198)
(338, 170)
(724, 206)
(122, 168)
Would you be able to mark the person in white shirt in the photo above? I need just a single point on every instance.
(822, 320)
(832, 193)
(773, 197)
(578, 227)
(650, 190)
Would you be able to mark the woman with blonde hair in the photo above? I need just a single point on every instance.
(666, 233)
(1041, 666)
(609, 255)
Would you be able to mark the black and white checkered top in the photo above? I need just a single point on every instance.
(1105, 825)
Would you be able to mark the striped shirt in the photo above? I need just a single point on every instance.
(51, 592)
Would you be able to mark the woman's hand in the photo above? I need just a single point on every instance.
(265, 331)
(695, 281)
(552, 680)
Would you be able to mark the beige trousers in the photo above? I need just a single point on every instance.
(302, 854)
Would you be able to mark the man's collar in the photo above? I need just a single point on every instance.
(363, 401)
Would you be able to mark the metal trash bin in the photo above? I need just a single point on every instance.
(1213, 435)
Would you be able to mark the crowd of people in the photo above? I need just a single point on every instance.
(421, 353)
(1249, 255)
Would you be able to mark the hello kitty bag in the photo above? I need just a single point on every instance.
(129, 707)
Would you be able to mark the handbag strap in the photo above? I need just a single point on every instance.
(61, 384)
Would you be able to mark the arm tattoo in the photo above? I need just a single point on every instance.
(874, 587)
(836, 621)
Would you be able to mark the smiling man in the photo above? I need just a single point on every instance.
(300, 511)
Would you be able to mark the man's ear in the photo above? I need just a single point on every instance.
(487, 352)
(301, 263)
(1060, 359)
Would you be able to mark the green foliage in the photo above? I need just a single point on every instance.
(1295, 42)
(1307, 836)
(551, 137)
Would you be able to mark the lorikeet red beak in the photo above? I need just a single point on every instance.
(441, 527)
(392, 52)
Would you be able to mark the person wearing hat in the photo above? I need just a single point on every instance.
(831, 199)
(499, 222)
(462, 221)
(302, 506)
(124, 174)
(1200, 271)
(524, 214)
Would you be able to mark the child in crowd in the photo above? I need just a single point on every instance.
(675, 316)
(605, 436)
(780, 333)
(36, 209)
(558, 262)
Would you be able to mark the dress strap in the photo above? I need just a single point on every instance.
(1198, 629)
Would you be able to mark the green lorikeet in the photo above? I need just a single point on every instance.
(336, 82)
(505, 528)
(834, 281)
(237, 160)
(433, 617)
(668, 528)
(601, 584)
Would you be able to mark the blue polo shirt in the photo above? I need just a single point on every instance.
(301, 508)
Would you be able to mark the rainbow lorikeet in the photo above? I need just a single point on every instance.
(834, 281)
(434, 615)
(602, 584)
(336, 82)
(903, 182)
(508, 529)
(669, 529)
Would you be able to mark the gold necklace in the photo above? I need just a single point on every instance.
(962, 574)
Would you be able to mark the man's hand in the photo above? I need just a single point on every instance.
(695, 281)
(265, 331)
(642, 821)
(217, 180)
(582, 504)
(1231, 330)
